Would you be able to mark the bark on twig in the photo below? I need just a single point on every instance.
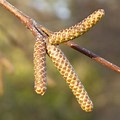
(94, 56)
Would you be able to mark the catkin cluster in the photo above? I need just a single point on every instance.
(49, 45)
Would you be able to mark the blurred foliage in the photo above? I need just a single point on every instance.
(19, 100)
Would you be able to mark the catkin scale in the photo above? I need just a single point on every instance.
(76, 30)
(40, 66)
(67, 71)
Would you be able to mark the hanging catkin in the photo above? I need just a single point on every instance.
(68, 72)
(40, 66)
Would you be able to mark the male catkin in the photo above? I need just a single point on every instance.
(76, 30)
(68, 72)
(40, 66)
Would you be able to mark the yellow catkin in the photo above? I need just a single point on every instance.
(40, 66)
(67, 71)
(76, 30)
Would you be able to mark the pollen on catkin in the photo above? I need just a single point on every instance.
(76, 30)
(68, 72)
(40, 66)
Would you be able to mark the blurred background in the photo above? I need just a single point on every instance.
(18, 101)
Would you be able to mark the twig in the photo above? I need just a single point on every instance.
(93, 56)
(35, 29)
(26, 20)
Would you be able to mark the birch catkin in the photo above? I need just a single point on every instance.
(40, 66)
(67, 71)
(76, 30)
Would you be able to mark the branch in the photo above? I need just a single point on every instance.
(40, 30)
(26, 20)
(93, 56)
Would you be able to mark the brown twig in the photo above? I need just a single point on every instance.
(93, 56)
(40, 30)
(26, 20)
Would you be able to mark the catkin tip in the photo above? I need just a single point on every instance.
(101, 11)
(90, 109)
(40, 91)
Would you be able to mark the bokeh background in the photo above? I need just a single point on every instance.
(18, 101)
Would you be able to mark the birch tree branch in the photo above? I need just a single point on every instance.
(36, 29)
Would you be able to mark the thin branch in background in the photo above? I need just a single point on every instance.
(12, 40)
(1, 80)
(15, 42)
(4, 62)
